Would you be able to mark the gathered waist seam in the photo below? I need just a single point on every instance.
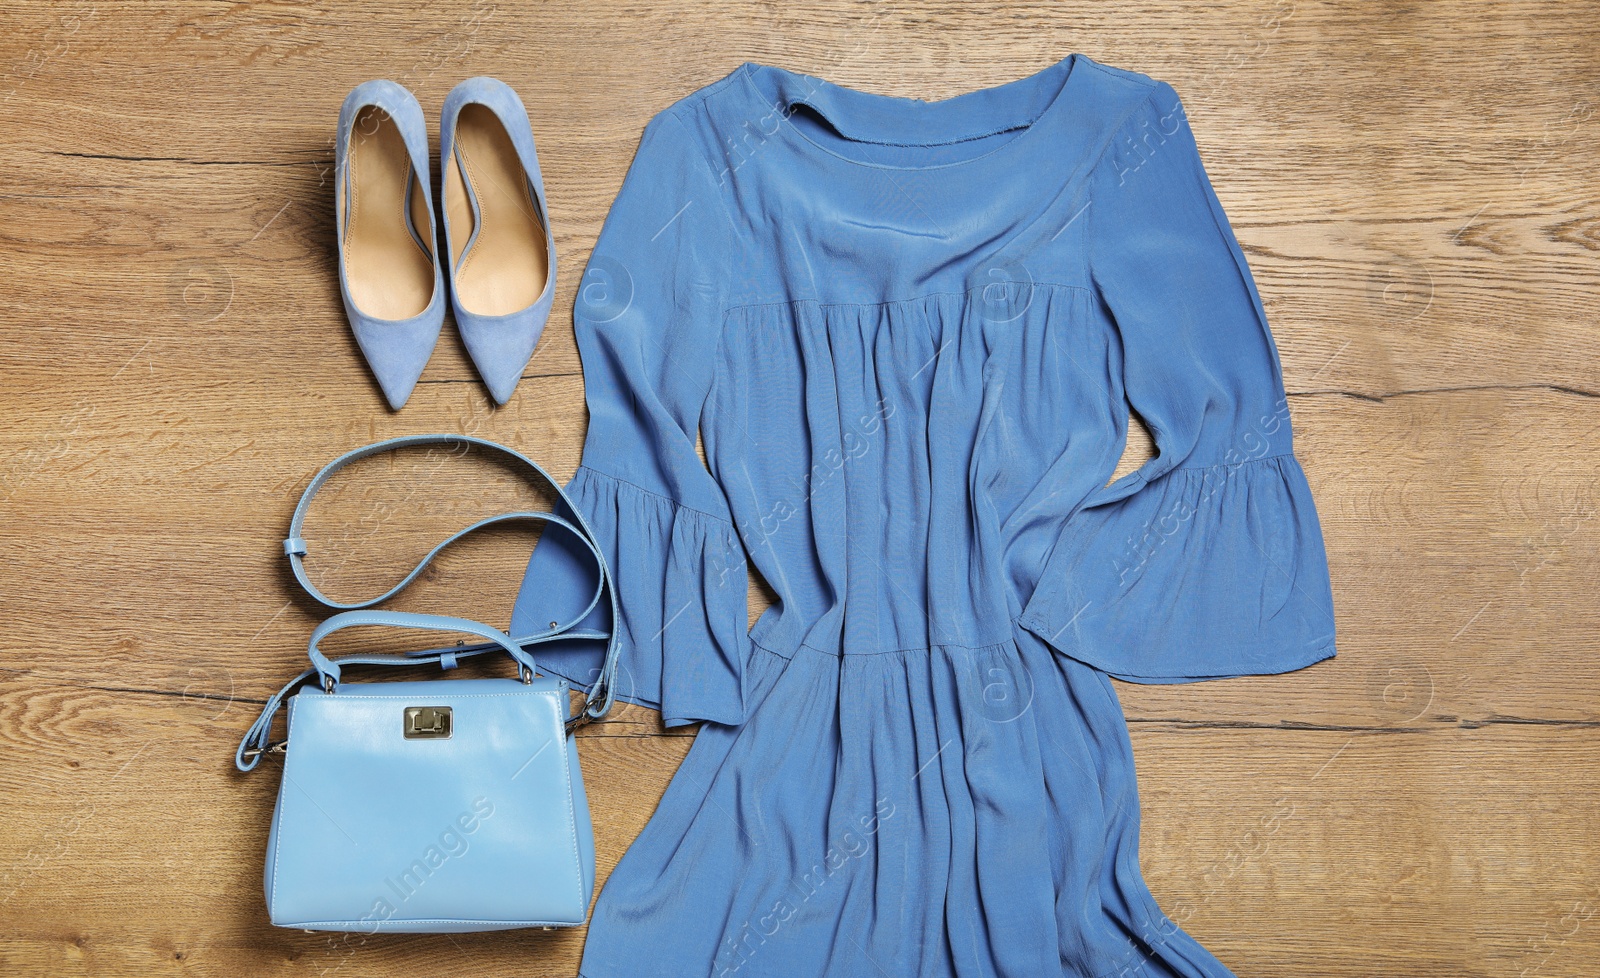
(841, 653)
(904, 300)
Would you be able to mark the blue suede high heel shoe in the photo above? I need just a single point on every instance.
(389, 272)
(497, 230)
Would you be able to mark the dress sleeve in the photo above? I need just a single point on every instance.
(648, 319)
(1208, 561)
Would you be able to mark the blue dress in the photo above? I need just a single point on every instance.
(908, 334)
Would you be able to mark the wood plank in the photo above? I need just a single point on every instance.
(1246, 832)
(1461, 524)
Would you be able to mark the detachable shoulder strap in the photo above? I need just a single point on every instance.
(601, 694)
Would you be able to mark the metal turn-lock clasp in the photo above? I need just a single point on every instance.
(428, 722)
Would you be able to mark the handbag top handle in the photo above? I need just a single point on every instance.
(600, 695)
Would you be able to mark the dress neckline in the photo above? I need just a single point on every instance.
(1025, 105)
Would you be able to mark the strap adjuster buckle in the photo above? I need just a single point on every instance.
(276, 747)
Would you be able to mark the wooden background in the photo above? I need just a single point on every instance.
(1416, 186)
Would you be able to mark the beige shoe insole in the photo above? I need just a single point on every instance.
(507, 267)
(389, 275)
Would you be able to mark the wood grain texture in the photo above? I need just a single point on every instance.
(1416, 189)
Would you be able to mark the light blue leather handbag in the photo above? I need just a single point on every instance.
(434, 806)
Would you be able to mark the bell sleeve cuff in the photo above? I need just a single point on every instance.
(1203, 573)
(681, 585)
